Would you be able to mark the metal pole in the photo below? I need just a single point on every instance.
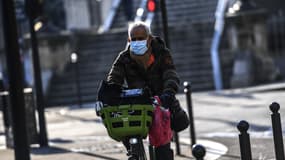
(177, 144)
(166, 39)
(244, 140)
(15, 72)
(277, 131)
(188, 92)
(74, 61)
(78, 84)
(164, 22)
(43, 140)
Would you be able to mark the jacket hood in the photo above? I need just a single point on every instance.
(157, 44)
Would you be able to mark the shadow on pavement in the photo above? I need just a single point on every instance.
(232, 95)
(253, 127)
(60, 140)
(97, 155)
(185, 156)
(98, 120)
(57, 150)
(48, 150)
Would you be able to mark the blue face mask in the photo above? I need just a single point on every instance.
(138, 47)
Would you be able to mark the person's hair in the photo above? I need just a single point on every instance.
(137, 25)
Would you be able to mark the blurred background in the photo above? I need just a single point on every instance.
(215, 44)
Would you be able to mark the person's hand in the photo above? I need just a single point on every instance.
(167, 99)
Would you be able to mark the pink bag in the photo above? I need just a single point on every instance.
(160, 131)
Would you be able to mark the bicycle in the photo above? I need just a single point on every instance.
(129, 120)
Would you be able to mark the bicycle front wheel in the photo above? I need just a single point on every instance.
(137, 149)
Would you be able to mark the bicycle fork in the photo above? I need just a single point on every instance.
(137, 151)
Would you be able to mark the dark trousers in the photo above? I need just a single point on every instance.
(164, 152)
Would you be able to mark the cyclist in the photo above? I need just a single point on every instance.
(146, 62)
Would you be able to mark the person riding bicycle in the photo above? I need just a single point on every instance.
(147, 62)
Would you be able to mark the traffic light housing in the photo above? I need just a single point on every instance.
(151, 5)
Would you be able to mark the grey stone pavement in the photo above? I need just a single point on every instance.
(77, 133)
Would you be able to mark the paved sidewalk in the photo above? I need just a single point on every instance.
(77, 133)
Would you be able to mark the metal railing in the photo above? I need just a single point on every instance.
(107, 23)
(219, 26)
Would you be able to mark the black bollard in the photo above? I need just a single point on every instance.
(244, 140)
(277, 131)
(198, 151)
(187, 91)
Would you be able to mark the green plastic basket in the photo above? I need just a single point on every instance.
(127, 120)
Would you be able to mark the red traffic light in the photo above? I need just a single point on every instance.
(151, 6)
